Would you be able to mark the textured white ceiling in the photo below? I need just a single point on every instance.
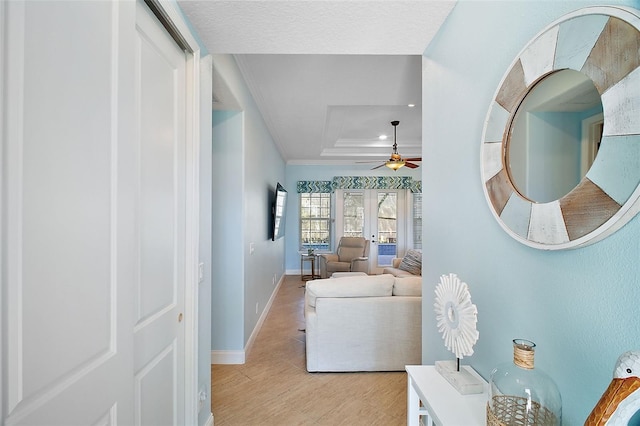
(355, 27)
(328, 76)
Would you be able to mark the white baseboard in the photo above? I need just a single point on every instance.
(209, 420)
(227, 357)
(263, 316)
(239, 357)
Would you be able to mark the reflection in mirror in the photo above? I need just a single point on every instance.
(554, 136)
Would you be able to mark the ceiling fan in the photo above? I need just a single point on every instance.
(396, 161)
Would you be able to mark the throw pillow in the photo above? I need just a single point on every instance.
(412, 262)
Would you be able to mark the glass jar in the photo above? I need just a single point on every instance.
(519, 394)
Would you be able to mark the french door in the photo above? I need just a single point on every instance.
(379, 215)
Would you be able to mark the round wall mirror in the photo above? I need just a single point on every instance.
(554, 137)
(546, 189)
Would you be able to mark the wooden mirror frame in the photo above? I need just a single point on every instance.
(603, 43)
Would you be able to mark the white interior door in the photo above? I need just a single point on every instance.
(92, 189)
(379, 215)
(159, 327)
(66, 293)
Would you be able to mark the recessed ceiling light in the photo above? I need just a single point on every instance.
(411, 105)
(382, 137)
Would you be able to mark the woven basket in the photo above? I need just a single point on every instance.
(512, 411)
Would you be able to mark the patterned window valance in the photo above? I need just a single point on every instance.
(416, 187)
(360, 182)
(307, 186)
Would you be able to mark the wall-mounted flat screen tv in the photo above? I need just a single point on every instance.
(279, 212)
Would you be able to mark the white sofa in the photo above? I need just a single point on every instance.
(408, 266)
(363, 323)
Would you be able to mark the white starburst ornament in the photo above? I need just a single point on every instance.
(456, 316)
(456, 319)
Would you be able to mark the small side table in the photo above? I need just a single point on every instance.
(311, 258)
(441, 402)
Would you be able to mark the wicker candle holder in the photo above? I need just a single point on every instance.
(521, 395)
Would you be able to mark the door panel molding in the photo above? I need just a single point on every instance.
(32, 248)
(104, 356)
(161, 86)
(168, 354)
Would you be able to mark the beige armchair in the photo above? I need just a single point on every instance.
(351, 256)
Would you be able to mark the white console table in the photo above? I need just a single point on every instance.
(441, 403)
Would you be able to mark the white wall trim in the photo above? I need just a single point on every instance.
(263, 316)
(209, 421)
(239, 357)
(11, 152)
(227, 357)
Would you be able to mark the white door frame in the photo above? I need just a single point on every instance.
(590, 140)
(172, 18)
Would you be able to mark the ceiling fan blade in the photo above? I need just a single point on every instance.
(377, 167)
(411, 165)
(413, 159)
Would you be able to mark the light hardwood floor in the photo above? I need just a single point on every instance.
(273, 387)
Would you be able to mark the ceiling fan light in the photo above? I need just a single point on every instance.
(394, 164)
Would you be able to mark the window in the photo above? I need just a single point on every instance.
(388, 220)
(315, 221)
(353, 214)
(417, 221)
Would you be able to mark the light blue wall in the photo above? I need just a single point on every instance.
(579, 306)
(554, 155)
(309, 172)
(264, 168)
(247, 166)
(227, 252)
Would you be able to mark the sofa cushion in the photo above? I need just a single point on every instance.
(412, 262)
(408, 286)
(354, 286)
(397, 272)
